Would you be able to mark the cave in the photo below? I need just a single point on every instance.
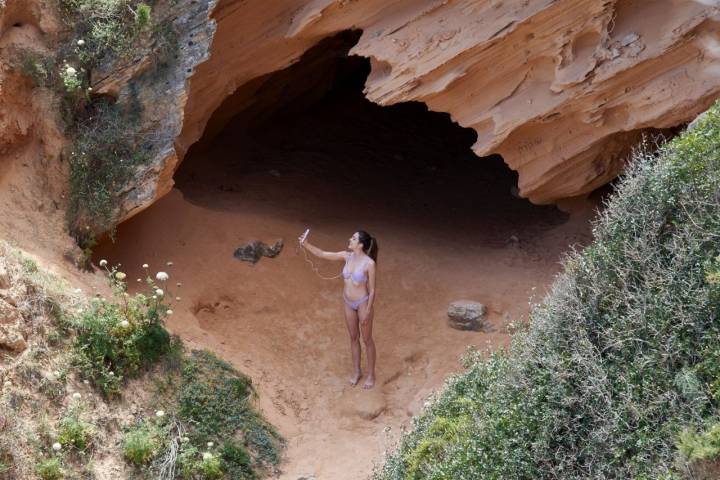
(310, 131)
(302, 147)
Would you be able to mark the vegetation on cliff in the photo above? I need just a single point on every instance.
(620, 364)
(104, 126)
(102, 386)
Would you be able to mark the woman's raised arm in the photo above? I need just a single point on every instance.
(323, 254)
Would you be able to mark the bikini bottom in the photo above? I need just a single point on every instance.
(355, 304)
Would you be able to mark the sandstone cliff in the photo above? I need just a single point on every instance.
(558, 87)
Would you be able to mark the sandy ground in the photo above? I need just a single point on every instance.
(283, 325)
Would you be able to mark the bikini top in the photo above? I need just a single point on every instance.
(358, 275)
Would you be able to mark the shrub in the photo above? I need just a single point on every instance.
(117, 339)
(214, 402)
(621, 355)
(213, 396)
(50, 469)
(102, 160)
(39, 67)
(107, 28)
(700, 446)
(237, 461)
(74, 431)
(141, 443)
(142, 16)
(194, 464)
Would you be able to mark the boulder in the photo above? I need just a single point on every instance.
(466, 315)
(11, 339)
(8, 313)
(251, 252)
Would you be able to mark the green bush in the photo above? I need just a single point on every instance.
(214, 402)
(115, 340)
(194, 464)
(620, 357)
(50, 469)
(102, 160)
(237, 461)
(39, 67)
(700, 446)
(213, 396)
(106, 28)
(74, 431)
(141, 443)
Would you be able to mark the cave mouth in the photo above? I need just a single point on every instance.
(308, 133)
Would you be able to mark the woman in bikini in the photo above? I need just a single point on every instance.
(359, 296)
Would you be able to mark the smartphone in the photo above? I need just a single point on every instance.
(305, 235)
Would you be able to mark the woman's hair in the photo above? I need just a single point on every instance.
(370, 246)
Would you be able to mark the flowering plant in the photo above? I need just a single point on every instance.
(116, 338)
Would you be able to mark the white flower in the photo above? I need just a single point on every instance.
(57, 447)
(210, 444)
(76, 396)
(124, 324)
(145, 265)
(207, 456)
(103, 262)
(185, 439)
(162, 276)
(159, 292)
(120, 275)
(154, 297)
(169, 312)
(81, 42)
(70, 71)
(160, 413)
(112, 374)
(89, 90)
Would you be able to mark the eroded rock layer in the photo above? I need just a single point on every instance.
(558, 87)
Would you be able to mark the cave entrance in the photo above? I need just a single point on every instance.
(309, 133)
(301, 148)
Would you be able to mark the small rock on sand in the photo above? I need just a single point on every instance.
(466, 315)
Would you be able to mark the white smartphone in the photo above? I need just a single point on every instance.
(305, 235)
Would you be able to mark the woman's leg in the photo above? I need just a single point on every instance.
(366, 331)
(351, 320)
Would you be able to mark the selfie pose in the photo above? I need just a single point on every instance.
(358, 296)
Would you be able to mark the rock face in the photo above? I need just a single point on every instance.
(560, 88)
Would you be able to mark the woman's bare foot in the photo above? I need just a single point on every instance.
(355, 378)
(369, 382)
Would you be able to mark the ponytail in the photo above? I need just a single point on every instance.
(370, 246)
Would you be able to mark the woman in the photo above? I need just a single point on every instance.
(359, 296)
